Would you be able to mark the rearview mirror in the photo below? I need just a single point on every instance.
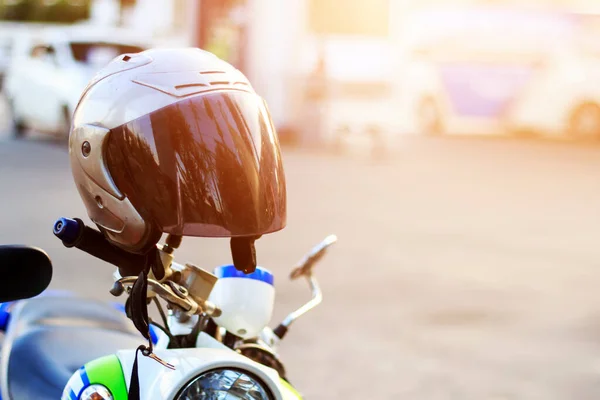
(25, 272)
(304, 267)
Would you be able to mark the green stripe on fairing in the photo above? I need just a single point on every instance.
(107, 371)
(288, 391)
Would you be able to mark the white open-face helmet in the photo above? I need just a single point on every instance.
(176, 141)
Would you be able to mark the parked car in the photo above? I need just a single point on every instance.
(8, 32)
(49, 69)
(494, 70)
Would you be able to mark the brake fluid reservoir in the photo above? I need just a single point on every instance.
(246, 300)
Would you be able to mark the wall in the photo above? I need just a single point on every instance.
(273, 52)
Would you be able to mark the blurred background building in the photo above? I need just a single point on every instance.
(349, 67)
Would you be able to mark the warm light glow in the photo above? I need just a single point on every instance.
(349, 17)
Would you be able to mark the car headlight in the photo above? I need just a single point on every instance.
(96, 392)
(221, 384)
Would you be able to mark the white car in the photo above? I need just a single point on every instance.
(498, 71)
(48, 71)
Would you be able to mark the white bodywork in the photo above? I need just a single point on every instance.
(160, 383)
(43, 90)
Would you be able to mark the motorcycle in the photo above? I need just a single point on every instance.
(213, 341)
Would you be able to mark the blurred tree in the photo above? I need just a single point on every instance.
(49, 11)
(124, 6)
(15, 10)
(218, 33)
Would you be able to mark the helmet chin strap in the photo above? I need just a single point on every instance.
(244, 259)
(244, 253)
(136, 308)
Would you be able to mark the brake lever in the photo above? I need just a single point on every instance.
(166, 292)
(173, 293)
(178, 290)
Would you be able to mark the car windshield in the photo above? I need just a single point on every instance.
(100, 53)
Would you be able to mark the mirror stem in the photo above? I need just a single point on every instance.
(317, 297)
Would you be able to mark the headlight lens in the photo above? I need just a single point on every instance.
(95, 392)
(225, 384)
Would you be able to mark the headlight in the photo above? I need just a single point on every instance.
(221, 384)
(95, 392)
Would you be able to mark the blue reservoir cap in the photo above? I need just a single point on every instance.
(229, 271)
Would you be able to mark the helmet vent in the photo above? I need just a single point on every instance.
(188, 85)
(182, 84)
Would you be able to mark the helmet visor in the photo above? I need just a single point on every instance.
(209, 166)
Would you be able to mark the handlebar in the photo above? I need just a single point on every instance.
(74, 233)
(317, 297)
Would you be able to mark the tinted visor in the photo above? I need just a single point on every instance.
(209, 165)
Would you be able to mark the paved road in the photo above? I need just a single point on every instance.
(466, 269)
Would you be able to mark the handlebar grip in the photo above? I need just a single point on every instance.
(74, 233)
(67, 230)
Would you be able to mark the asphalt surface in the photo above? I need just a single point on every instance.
(465, 268)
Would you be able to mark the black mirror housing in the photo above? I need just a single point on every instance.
(25, 272)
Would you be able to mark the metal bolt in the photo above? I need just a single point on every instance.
(86, 148)
(99, 201)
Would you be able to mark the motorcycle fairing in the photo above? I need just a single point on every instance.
(159, 383)
(108, 371)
